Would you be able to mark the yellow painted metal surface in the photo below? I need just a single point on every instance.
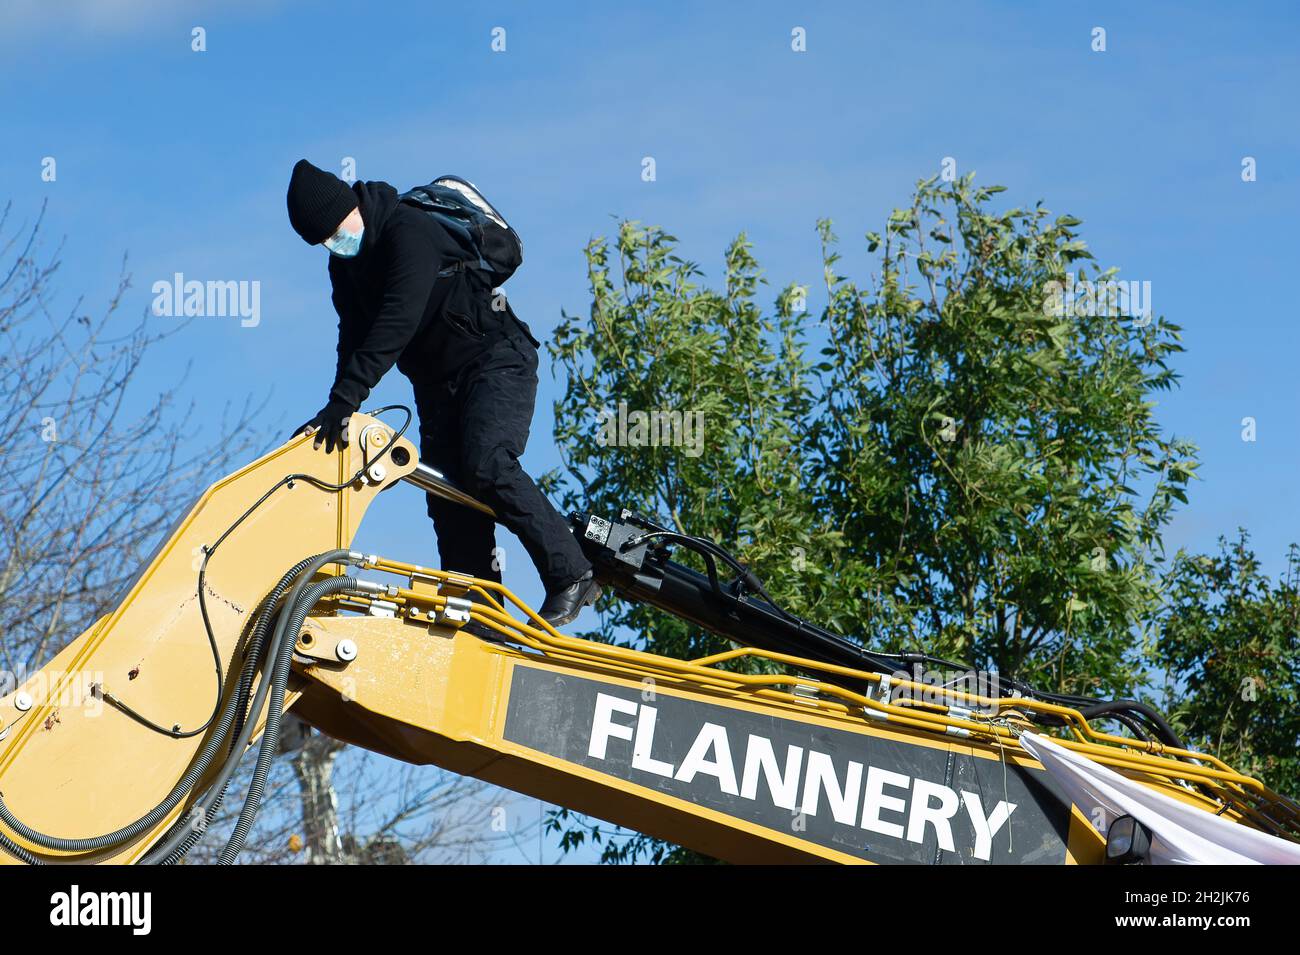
(74, 766)
(429, 695)
(424, 693)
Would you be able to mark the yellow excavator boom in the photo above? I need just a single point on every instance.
(118, 749)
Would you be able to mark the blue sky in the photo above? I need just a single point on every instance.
(181, 160)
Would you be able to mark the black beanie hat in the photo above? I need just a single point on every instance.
(318, 202)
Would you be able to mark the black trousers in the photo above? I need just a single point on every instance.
(473, 429)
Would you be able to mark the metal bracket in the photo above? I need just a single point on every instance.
(455, 613)
(382, 608)
(312, 645)
(372, 440)
(879, 693)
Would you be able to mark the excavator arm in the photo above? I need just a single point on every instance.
(798, 745)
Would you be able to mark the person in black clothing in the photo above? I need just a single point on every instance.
(403, 296)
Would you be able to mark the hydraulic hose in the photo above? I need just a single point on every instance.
(1163, 731)
(207, 805)
(693, 597)
(294, 618)
(183, 786)
(146, 822)
(187, 833)
(183, 835)
(18, 852)
(208, 551)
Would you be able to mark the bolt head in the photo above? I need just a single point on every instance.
(346, 651)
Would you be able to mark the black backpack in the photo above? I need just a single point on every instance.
(490, 245)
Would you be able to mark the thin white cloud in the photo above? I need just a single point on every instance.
(40, 19)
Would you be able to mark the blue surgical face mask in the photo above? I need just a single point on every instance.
(345, 244)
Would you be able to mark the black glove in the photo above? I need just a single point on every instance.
(330, 425)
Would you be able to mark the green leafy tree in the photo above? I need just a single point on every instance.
(656, 342)
(1230, 644)
(991, 446)
(951, 457)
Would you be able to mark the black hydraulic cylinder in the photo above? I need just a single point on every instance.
(625, 558)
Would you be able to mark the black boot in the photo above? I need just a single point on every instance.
(562, 606)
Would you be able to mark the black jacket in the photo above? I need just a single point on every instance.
(394, 307)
